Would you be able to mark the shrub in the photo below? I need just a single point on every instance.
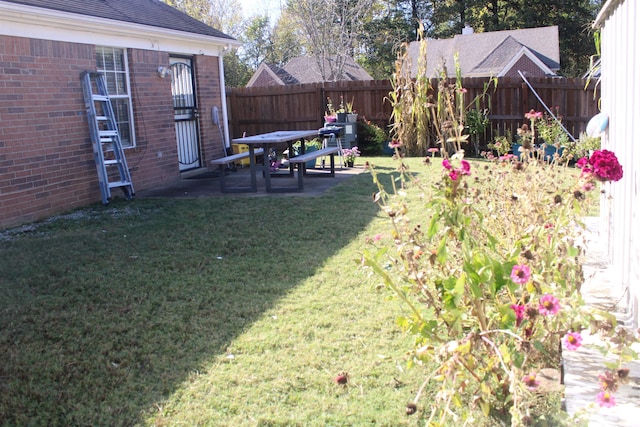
(371, 138)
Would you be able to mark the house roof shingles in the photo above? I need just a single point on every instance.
(144, 12)
(487, 53)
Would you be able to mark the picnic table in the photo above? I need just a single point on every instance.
(266, 140)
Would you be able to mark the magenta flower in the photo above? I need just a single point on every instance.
(548, 305)
(453, 175)
(582, 162)
(446, 164)
(520, 274)
(572, 340)
(605, 165)
(519, 310)
(395, 144)
(530, 381)
(605, 399)
(466, 167)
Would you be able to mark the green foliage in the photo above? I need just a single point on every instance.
(371, 138)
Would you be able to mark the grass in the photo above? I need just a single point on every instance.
(214, 312)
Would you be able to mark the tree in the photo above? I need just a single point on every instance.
(383, 36)
(258, 42)
(236, 72)
(331, 29)
(223, 15)
(286, 40)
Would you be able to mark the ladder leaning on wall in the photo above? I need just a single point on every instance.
(108, 153)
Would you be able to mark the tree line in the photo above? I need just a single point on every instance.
(374, 31)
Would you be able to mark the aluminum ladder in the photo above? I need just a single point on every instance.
(108, 153)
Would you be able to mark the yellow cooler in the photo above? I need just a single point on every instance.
(241, 148)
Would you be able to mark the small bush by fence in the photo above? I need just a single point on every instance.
(295, 107)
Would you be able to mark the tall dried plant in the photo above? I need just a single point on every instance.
(423, 116)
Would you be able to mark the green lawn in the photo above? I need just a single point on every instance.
(224, 312)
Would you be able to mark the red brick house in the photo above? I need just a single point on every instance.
(534, 51)
(164, 71)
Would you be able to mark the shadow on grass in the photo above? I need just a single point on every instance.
(105, 314)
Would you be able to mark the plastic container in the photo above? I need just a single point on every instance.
(241, 148)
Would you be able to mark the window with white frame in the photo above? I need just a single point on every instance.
(112, 62)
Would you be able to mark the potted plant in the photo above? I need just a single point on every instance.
(352, 115)
(330, 112)
(341, 112)
(349, 155)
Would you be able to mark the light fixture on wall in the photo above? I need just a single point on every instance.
(163, 71)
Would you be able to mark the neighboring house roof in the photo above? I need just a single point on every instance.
(493, 54)
(145, 12)
(303, 69)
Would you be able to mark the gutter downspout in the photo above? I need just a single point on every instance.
(223, 96)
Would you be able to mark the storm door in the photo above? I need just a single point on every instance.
(185, 111)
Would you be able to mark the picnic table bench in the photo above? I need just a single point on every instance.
(223, 161)
(302, 159)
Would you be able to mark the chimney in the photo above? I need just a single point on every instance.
(467, 29)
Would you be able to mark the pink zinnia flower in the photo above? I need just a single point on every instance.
(519, 310)
(548, 305)
(453, 175)
(582, 162)
(446, 164)
(520, 274)
(533, 115)
(605, 399)
(530, 381)
(572, 340)
(466, 167)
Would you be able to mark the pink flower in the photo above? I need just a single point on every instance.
(572, 340)
(605, 165)
(453, 175)
(466, 167)
(519, 310)
(532, 115)
(548, 305)
(520, 274)
(446, 164)
(605, 399)
(588, 186)
(582, 162)
(395, 144)
(530, 381)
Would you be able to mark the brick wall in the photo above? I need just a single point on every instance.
(527, 66)
(45, 157)
(208, 96)
(154, 161)
(46, 160)
(265, 79)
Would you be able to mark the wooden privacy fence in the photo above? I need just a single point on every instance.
(295, 107)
